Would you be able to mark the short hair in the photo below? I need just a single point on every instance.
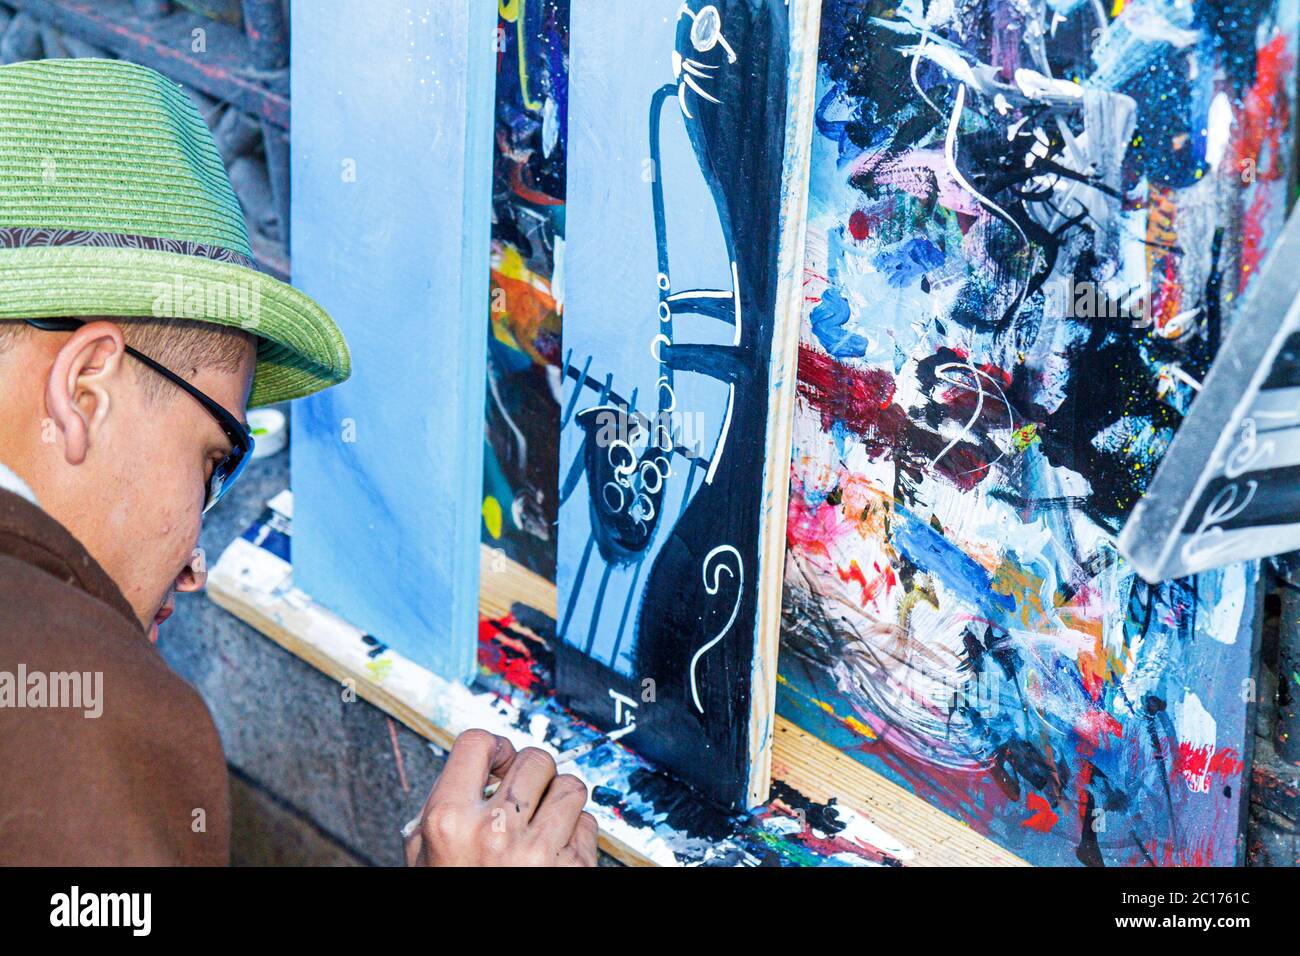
(182, 345)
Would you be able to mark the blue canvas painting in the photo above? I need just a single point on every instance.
(677, 126)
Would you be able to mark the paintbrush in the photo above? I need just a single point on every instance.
(562, 758)
(573, 753)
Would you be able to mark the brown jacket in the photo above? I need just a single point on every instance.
(142, 783)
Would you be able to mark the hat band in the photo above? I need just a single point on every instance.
(31, 237)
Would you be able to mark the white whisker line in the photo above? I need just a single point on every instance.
(702, 294)
(686, 78)
(735, 291)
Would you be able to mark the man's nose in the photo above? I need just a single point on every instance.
(195, 573)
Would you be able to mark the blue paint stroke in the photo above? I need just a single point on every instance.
(934, 554)
(907, 261)
(829, 319)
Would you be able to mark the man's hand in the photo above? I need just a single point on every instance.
(535, 818)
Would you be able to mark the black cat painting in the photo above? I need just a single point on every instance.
(672, 282)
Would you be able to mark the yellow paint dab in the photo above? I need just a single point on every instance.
(512, 264)
(492, 516)
(857, 726)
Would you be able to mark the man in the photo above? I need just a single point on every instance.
(133, 333)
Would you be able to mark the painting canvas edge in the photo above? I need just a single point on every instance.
(801, 92)
(476, 268)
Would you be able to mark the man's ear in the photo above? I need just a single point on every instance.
(77, 394)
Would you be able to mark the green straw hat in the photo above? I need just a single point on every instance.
(114, 201)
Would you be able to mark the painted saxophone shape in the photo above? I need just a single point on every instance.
(625, 487)
(625, 490)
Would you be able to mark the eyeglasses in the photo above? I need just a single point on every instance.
(226, 471)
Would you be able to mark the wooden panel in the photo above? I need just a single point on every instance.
(688, 131)
(391, 207)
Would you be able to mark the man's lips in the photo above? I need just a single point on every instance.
(164, 612)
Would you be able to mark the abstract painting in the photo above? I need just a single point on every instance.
(680, 301)
(1029, 228)
(527, 289)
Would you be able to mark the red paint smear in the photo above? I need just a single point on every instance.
(963, 398)
(1167, 297)
(1094, 724)
(1265, 113)
(830, 846)
(1082, 780)
(1201, 762)
(994, 372)
(504, 655)
(859, 225)
(1044, 817)
(1168, 854)
(870, 589)
(889, 578)
(1093, 683)
(863, 400)
(964, 466)
(854, 573)
(808, 529)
